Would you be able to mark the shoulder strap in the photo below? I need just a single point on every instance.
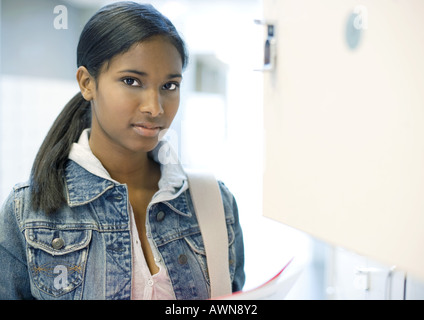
(207, 202)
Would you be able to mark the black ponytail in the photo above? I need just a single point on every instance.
(113, 30)
(47, 175)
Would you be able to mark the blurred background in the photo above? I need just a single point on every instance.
(219, 125)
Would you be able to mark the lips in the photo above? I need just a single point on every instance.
(147, 125)
(146, 129)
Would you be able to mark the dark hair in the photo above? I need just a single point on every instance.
(113, 30)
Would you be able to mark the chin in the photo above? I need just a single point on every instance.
(144, 147)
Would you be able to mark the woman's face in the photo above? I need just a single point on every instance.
(136, 97)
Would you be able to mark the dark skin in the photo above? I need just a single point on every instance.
(134, 98)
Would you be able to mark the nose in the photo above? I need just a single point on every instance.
(151, 103)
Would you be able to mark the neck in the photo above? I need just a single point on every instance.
(136, 170)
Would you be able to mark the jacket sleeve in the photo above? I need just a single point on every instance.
(239, 274)
(239, 277)
(14, 278)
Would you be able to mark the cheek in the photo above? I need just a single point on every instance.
(171, 109)
(114, 107)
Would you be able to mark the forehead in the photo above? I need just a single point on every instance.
(156, 54)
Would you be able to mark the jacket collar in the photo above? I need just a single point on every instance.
(87, 179)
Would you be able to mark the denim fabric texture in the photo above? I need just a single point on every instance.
(83, 251)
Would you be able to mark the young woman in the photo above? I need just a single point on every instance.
(101, 217)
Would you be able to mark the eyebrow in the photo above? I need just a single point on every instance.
(143, 74)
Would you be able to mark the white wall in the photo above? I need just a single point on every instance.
(344, 124)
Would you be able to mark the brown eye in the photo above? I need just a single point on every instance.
(171, 86)
(131, 82)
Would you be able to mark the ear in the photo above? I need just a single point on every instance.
(86, 83)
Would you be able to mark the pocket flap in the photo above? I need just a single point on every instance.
(57, 242)
(196, 241)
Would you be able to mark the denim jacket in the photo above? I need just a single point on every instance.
(83, 251)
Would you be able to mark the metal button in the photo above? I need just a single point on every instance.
(182, 259)
(160, 216)
(58, 243)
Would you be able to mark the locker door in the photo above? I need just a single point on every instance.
(344, 125)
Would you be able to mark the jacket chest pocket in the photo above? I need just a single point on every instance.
(57, 259)
(197, 247)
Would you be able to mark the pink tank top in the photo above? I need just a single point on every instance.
(146, 286)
